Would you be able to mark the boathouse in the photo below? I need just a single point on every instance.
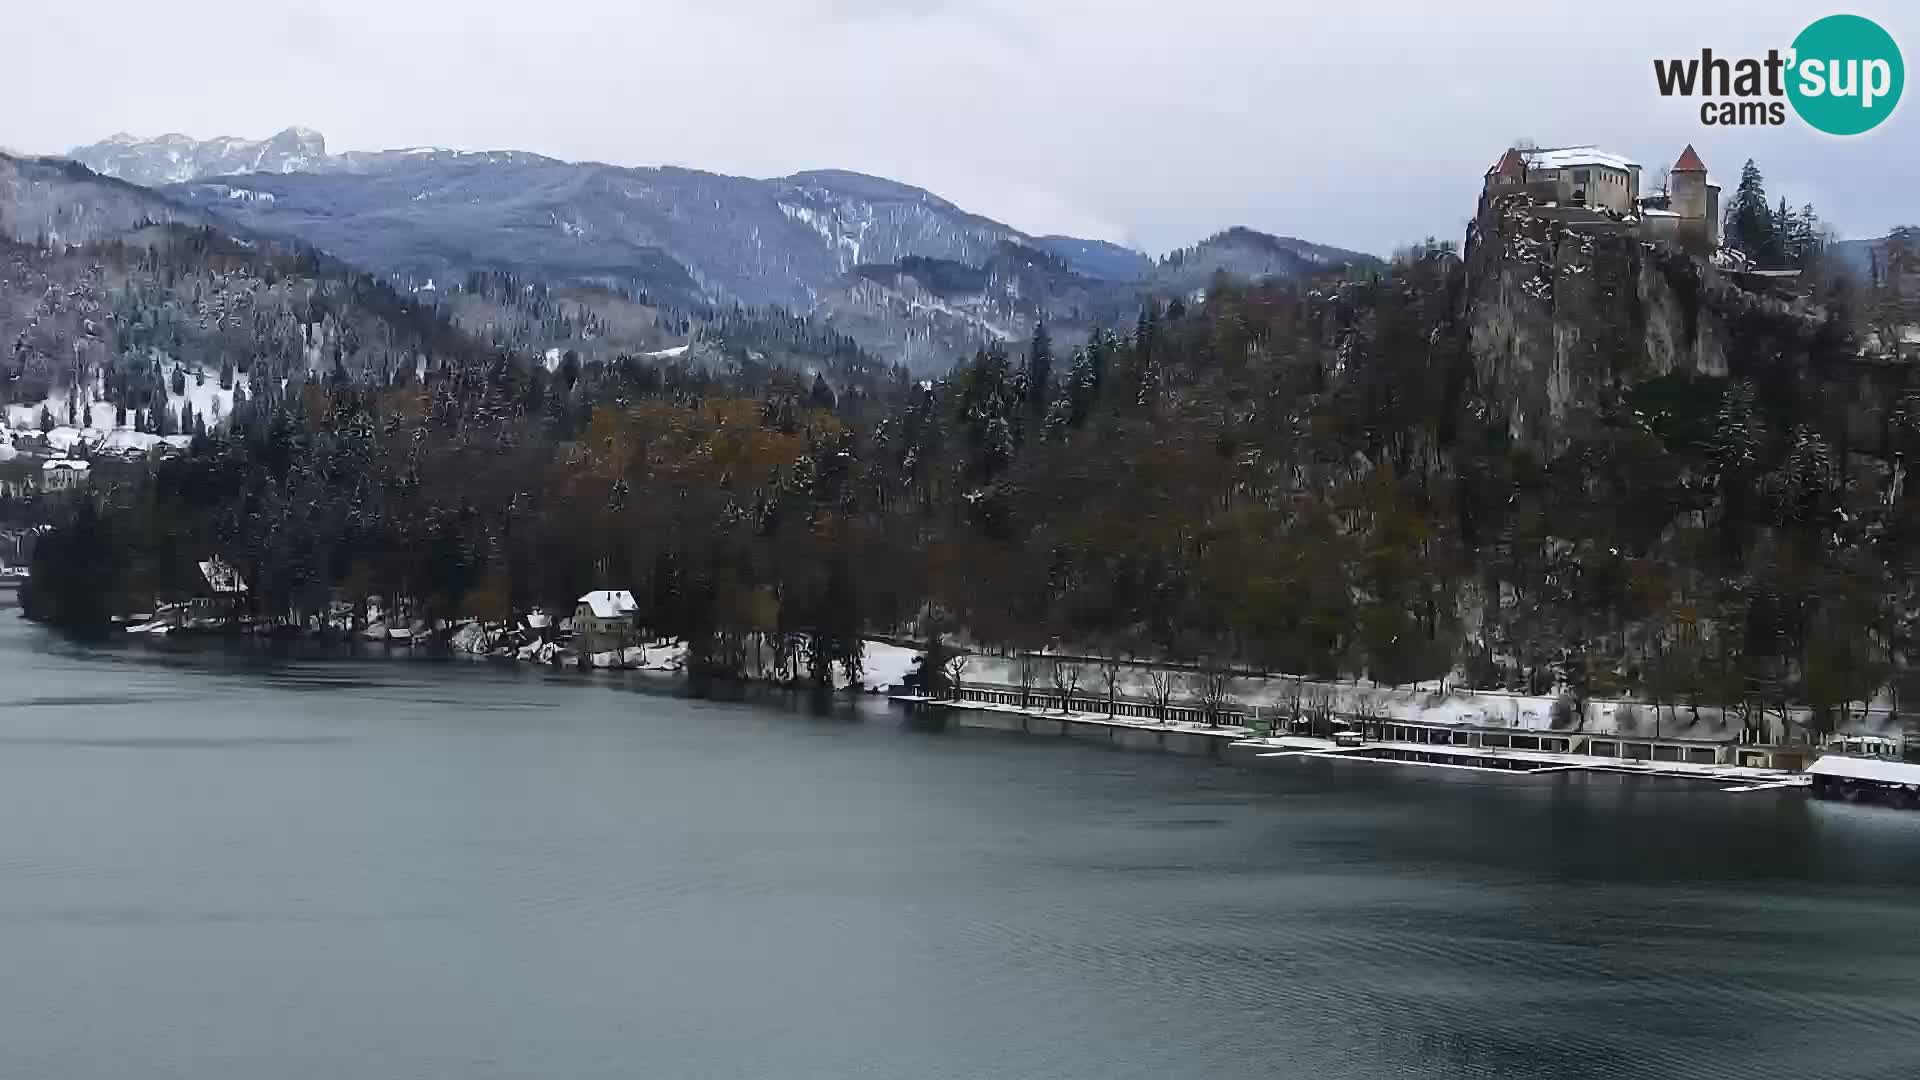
(1865, 779)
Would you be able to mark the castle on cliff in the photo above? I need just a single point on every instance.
(1590, 188)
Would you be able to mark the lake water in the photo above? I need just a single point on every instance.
(224, 867)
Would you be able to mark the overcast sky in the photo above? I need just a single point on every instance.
(1362, 124)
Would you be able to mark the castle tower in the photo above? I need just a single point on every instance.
(1509, 174)
(1696, 201)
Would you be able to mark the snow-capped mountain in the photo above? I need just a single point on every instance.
(175, 158)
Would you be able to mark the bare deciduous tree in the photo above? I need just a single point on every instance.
(955, 667)
(1110, 677)
(1212, 686)
(1066, 682)
(1164, 682)
(1027, 670)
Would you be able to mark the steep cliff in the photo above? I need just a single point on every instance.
(1565, 321)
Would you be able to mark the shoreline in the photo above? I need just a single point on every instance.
(1242, 745)
(1227, 742)
(663, 659)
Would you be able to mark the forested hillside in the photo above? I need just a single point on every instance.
(1563, 462)
(113, 300)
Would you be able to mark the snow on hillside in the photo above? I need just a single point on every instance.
(96, 414)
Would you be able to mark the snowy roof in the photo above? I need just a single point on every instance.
(222, 577)
(65, 438)
(1857, 768)
(1573, 157)
(610, 603)
(1649, 211)
(66, 464)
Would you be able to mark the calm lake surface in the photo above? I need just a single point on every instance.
(224, 867)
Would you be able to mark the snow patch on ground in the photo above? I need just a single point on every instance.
(95, 414)
(885, 666)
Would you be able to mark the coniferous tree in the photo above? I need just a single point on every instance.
(821, 396)
(1783, 243)
(1749, 219)
(1805, 244)
(1040, 369)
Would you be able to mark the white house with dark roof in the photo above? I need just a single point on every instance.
(220, 594)
(606, 619)
(62, 474)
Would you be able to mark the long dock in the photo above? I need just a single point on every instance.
(1529, 762)
(1202, 740)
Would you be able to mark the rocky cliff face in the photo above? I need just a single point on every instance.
(1564, 324)
(175, 158)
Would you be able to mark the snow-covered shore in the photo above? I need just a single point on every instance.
(884, 666)
(1433, 702)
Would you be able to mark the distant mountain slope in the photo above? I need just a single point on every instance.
(1246, 253)
(125, 313)
(880, 260)
(1863, 258)
(50, 201)
(1097, 258)
(682, 236)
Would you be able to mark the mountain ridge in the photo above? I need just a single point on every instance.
(691, 240)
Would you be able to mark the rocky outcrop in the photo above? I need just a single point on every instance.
(1564, 321)
(172, 159)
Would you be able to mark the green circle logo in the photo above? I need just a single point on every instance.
(1846, 75)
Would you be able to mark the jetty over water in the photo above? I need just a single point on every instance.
(1188, 736)
(1532, 762)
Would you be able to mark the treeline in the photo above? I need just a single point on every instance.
(1774, 237)
(1289, 477)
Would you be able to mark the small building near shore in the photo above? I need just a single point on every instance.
(64, 474)
(606, 619)
(1866, 779)
(219, 594)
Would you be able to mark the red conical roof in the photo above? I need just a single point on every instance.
(1689, 162)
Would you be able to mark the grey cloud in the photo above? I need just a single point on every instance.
(1365, 124)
